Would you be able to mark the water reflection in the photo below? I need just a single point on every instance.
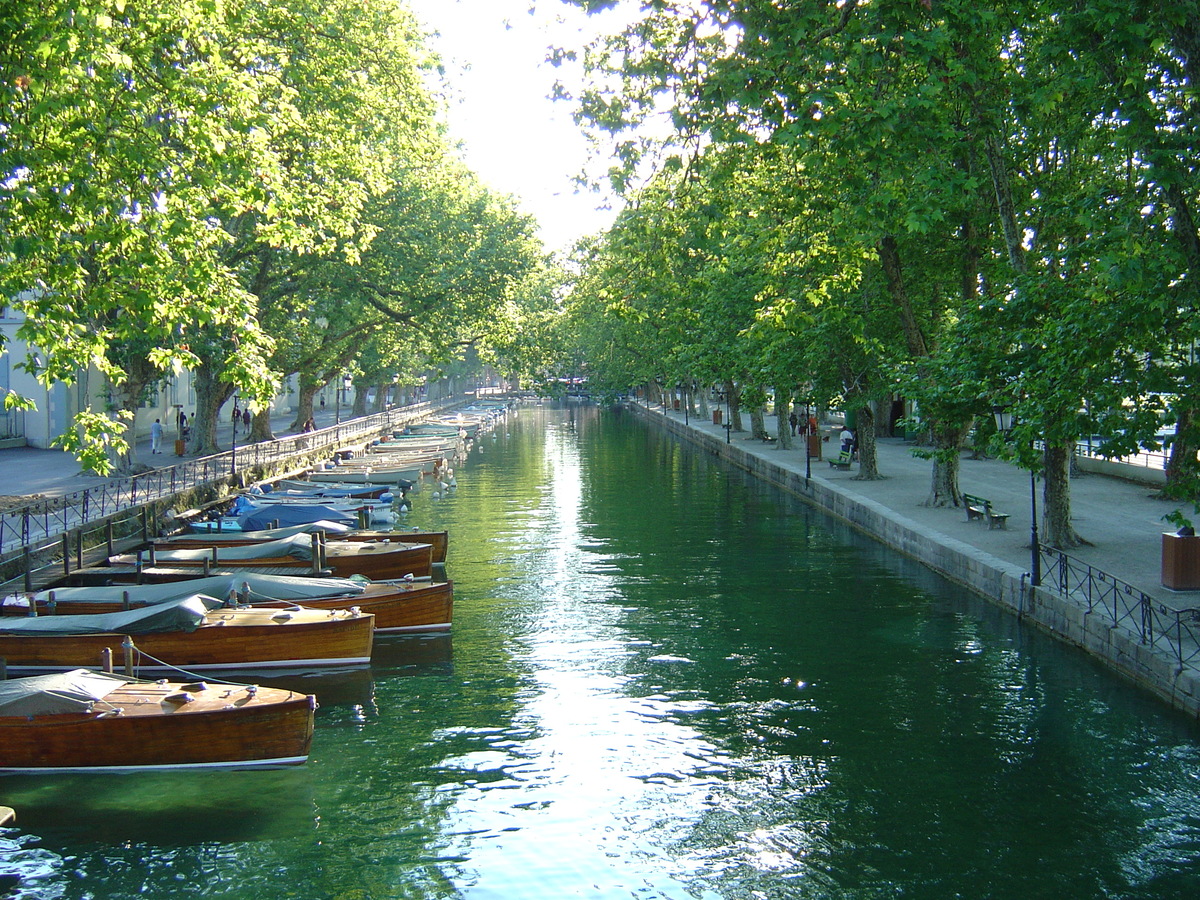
(668, 681)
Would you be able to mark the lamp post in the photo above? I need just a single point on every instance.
(347, 383)
(233, 445)
(728, 420)
(807, 444)
(1004, 421)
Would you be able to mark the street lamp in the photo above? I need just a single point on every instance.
(347, 383)
(1004, 422)
(233, 446)
(807, 443)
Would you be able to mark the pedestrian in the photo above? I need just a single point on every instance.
(847, 440)
(246, 417)
(156, 436)
(310, 425)
(182, 422)
(793, 420)
(322, 403)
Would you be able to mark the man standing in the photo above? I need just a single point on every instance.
(156, 433)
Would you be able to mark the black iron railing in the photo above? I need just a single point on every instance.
(1122, 605)
(46, 520)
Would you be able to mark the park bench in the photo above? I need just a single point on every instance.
(842, 461)
(979, 508)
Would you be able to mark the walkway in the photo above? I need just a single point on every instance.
(53, 473)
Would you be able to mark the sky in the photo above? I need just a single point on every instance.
(517, 140)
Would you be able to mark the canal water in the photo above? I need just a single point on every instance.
(665, 681)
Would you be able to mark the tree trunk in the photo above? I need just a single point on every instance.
(735, 405)
(868, 460)
(260, 427)
(1182, 468)
(783, 409)
(211, 394)
(1056, 518)
(943, 488)
(758, 423)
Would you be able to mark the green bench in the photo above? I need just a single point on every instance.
(842, 461)
(982, 509)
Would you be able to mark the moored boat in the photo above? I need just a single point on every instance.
(377, 560)
(439, 540)
(193, 634)
(398, 606)
(90, 721)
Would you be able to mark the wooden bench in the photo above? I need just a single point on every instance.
(979, 508)
(842, 461)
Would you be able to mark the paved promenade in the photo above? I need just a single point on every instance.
(51, 473)
(1122, 520)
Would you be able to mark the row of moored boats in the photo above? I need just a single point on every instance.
(293, 576)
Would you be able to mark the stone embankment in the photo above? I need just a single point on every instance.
(1121, 519)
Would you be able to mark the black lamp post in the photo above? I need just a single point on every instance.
(233, 446)
(1004, 424)
(347, 383)
(807, 444)
(728, 420)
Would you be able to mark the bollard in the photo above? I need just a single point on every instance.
(127, 646)
(52, 604)
(3, 668)
(125, 600)
(106, 660)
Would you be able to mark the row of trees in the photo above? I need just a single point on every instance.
(966, 203)
(250, 191)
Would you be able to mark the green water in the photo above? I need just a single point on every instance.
(665, 681)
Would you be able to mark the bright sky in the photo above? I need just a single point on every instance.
(517, 139)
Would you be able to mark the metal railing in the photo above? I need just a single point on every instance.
(47, 520)
(1124, 606)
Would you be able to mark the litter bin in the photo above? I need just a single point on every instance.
(1181, 562)
(179, 447)
(717, 416)
(814, 446)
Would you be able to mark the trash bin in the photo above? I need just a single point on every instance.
(717, 416)
(1181, 561)
(676, 404)
(814, 446)
(179, 446)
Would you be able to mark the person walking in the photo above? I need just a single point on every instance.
(246, 418)
(156, 436)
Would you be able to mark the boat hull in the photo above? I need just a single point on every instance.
(415, 606)
(221, 726)
(439, 541)
(228, 639)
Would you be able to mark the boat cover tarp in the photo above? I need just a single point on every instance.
(261, 587)
(64, 692)
(293, 514)
(276, 534)
(185, 614)
(297, 546)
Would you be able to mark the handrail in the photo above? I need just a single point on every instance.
(1123, 606)
(47, 520)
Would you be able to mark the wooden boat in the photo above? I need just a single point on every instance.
(398, 606)
(438, 540)
(90, 721)
(377, 560)
(193, 634)
(399, 475)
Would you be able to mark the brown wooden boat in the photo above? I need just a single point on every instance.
(438, 540)
(398, 606)
(194, 634)
(89, 721)
(377, 560)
